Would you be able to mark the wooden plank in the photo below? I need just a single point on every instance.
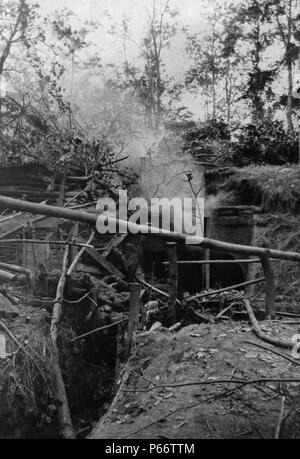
(213, 262)
(105, 264)
(226, 289)
(93, 270)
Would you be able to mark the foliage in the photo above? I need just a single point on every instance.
(148, 82)
(265, 142)
(217, 74)
(208, 142)
(249, 30)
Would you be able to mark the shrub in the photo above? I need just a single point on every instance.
(264, 143)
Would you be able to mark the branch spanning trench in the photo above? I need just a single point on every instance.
(84, 217)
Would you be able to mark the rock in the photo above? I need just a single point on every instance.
(155, 326)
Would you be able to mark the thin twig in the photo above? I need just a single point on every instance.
(188, 407)
(274, 352)
(39, 241)
(235, 303)
(98, 330)
(12, 336)
(221, 381)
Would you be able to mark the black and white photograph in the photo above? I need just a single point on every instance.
(149, 222)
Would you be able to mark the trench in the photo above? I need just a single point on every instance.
(93, 368)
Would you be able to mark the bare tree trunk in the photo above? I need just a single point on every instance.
(64, 416)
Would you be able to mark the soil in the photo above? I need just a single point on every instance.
(205, 353)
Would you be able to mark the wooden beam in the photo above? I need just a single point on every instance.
(226, 289)
(270, 289)
(173, 279)
(214, 262)
(104, 263)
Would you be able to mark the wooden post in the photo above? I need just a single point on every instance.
(73, 249)
(132, 269)
(134, 310)
(24, 254)
(269, 287)
(61, 198)
(173, 279)
(207, 257)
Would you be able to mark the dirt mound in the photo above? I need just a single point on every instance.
(274, 188)
(157, 399)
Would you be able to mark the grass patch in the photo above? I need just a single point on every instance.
(274, 188)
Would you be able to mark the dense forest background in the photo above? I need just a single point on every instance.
(60, 100)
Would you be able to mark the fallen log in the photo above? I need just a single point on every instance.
(9, 277)
(15, 269)
(84, 217)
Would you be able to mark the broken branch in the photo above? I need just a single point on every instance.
(66, 426)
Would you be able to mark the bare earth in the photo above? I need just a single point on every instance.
(205, 353)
